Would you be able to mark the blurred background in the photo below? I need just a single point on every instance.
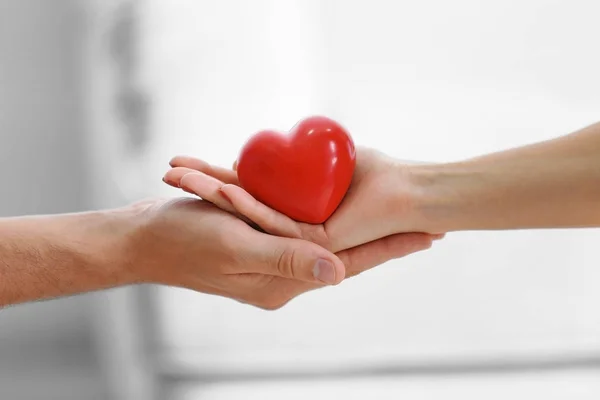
(96, 96)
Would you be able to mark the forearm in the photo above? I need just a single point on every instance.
(554, 184)
(50, 256)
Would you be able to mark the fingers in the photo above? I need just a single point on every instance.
(206, 187)
(297, 259)
(233, 199)
(268, 219)
(223, 174)
(199, 184)
(361, 258)
(174, 175)
(281, 290)
(290, 265)
(236, 198)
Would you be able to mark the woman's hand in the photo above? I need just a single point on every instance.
(363, 220)
(550, 184)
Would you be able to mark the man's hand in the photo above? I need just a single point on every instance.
(193, 244)
(182, 242)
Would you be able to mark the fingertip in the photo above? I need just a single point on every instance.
(328, 270)
(423, 241)
(301, 260)
(224, 191)
(225, 195)
(229, 190)
(188, 180)
(408, 243)
(340, 271)
(176, 161)
(419, 238)
(191, 183)
(189, 162)
(170, 179)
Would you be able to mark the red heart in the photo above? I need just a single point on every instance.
(304, 174)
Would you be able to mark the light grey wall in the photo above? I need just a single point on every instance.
(43, 170)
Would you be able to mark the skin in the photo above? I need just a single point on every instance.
(360, 206)
(194, 244)
(553, 184)
(180, 242)
(206, 247)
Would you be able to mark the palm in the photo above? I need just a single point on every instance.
(371, 200)
(360, 206)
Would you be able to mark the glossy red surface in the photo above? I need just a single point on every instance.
(303, 174)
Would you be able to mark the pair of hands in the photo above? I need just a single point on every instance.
(269, 266)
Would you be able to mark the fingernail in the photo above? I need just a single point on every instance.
(324, 271)
(168, 182)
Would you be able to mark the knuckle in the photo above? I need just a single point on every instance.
(264, 293)
(270, 220)
(269, 306)
(271, 297)
(272, 304)
(254, 206)
(285, 263)
(353, 273)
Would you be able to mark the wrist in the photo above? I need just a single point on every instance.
(438, 197)
(61, 255)
(103, 241)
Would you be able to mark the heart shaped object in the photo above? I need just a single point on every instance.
(304, 174)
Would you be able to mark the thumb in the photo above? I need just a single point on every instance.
(300, 260)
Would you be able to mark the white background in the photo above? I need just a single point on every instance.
(431, 80)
